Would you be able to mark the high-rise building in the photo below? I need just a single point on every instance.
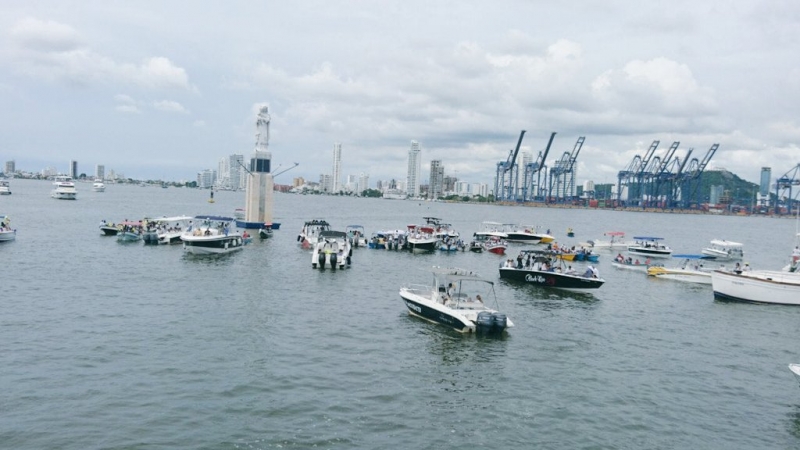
(11, 167)
(437, 179)
(325, 183)
(206, 178)
(230, 173)
(73, 169)
(337, 168)
(363, 182)
(414, 169)
(100, 172)
(766, 177)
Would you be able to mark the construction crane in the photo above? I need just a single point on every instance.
(531, 189)
(562, 175)
(506, 181)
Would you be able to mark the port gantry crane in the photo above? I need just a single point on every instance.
(690, 180)
(658, 176)
(562, 176)
(783, 189)
(531, 189)
(630, 179)
(505, 187)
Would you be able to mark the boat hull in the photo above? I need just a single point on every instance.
(551, 279)
(523, 238)
(688, 276)
(422, 245)
(757, 287)
(651, 252)
(8, 235)
(109, 231)
(421, 309)
(211, 245)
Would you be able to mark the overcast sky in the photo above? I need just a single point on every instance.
(157, 89)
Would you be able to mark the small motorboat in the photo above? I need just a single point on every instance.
(544, 269)
(356, 235)
(457, 298)
(265, 232)
(570, 233)
(332, 250)
(211, 235)
(6, 232)
(476, 247)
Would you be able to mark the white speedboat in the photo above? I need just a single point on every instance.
(265, 232)
(5, 188)
(616, 240)
(649, 247)
(310, 233)
(527, 234)
(169, 229)
(6, 232)
(691, 270)
(356, 235)
(758, 286)
(795, 368)
(457, 298)
(209, 235)
(98, 186)
(332, 250)
(421, 239)
(64, 188)
(722, 250)
(489, 230)
(109, 229)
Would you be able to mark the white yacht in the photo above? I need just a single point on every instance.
(457, 298)
(759, 286)
(650, 247)
(722, 250)
(210, 235)
(98, 186)
(64, 188)
(310, 233)
(169, 229)
(5, 189)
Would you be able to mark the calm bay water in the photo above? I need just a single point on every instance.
(107, 345)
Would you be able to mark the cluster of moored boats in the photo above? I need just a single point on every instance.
(201, 235)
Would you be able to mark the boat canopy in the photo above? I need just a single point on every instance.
(724, 243)
(355, 227)
(171, 219)
(647, 238)
(689, 256)
(332, 234)
(454, 273)
(220, 218)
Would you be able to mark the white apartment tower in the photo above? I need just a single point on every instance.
(414, 169)
(100, 172)
(337, 168)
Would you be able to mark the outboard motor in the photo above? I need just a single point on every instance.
(485, 321)
(321, 260)
(333, 260)
(500, 321)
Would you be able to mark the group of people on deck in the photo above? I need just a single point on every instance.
(630, 261)
(530, 263)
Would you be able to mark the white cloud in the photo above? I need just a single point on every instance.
(170, 106)
(55, 51)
